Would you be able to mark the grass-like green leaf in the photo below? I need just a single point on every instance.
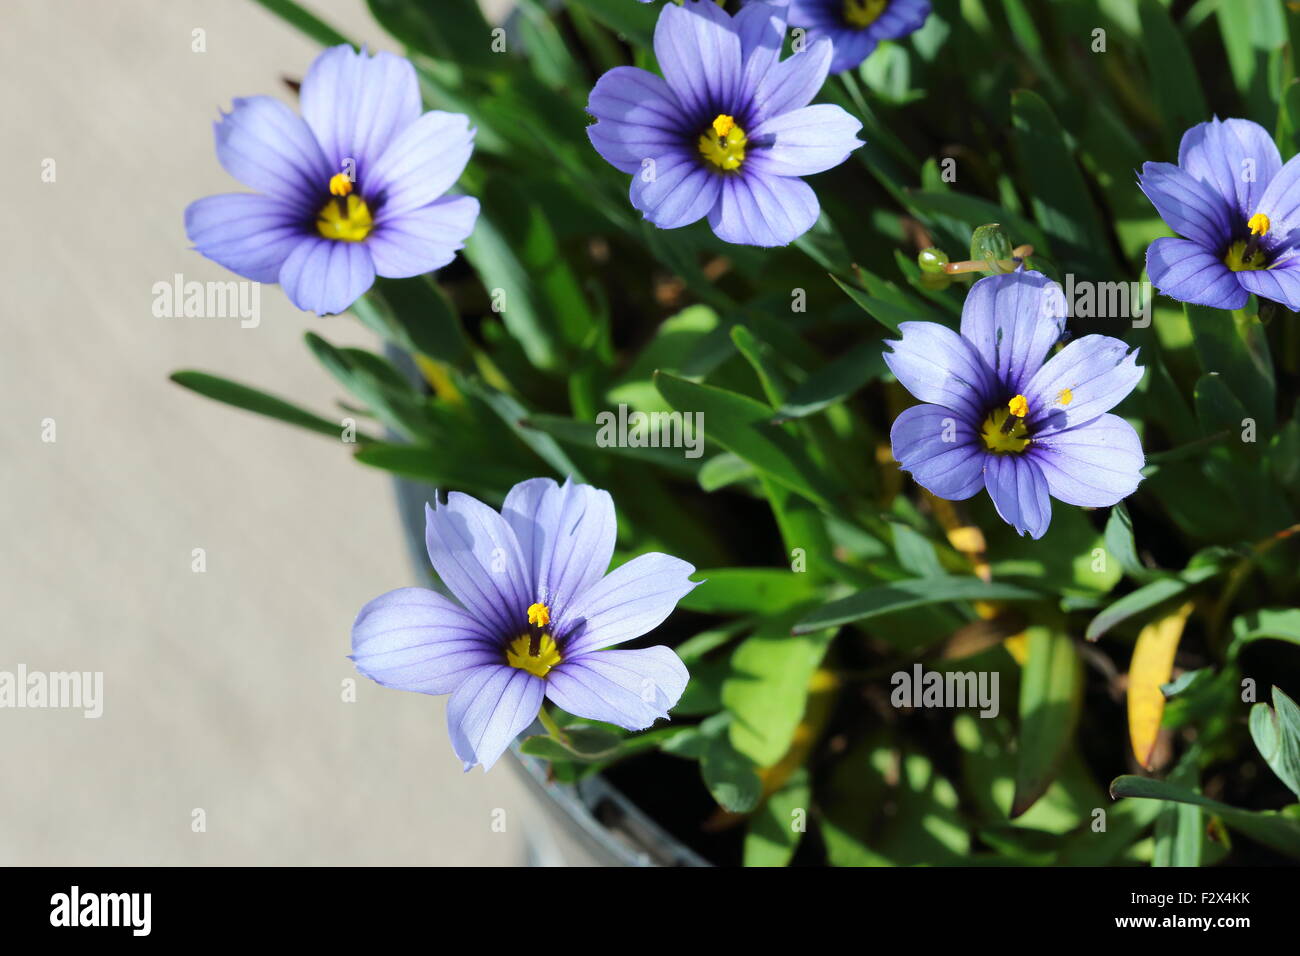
(1051, 695)
(912, 593)
(253, 400)
(1268, 827)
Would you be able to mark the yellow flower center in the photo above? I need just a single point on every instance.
(1004, 430)
(537, 655)
(863, 13)
(723, 143)
(346, 218)
(1241, 257)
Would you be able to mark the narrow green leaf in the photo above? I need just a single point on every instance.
(1273, 829)
(1174, 82)
(724, 469)
(743, 426)
(742, 590)
(1061, 201)
(834, 382)
(1232, 347)
(1051, 694)
(253, 400)
(904, 595)
(313, 26)
(1145, 598)
(450, 30)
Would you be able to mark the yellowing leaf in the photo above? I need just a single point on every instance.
(1151, 667)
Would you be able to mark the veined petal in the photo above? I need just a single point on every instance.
(792, 83)
(422, 240)
(420, 163)
(940, 449)
(759, 210)
(248, 234)
(1012, 320)
(1281, 203)
(1185, 271)
(1019, 492)
(699, 54)
(938, 366)
(1093, 465)
(631, 600)
(639, 118)
(805, 141)
(268, 147)
(566, 533)
(761, 28)
(1280, 283)
(629, 688)
(676, 191)
(478, 558)
(1190, 207)
(1236, 157)
(491, 707)
(416, 639)
(325, 276)
(1087, 378)
(356, 103)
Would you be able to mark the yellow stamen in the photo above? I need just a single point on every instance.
(539, 614)
(345, 219)
(340, 184)
(1002, 439)
(1258, 224)
(1065, 397)
(724, 143)
(520, 654)
(863, 13)
(1019, 406)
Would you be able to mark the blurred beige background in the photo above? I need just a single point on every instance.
(223, 689)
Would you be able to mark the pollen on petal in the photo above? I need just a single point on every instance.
(1258, 224)
(539, 614)
(1065, 397)
(1019, 406)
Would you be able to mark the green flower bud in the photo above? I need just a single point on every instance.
(990, 245)
(932, 260)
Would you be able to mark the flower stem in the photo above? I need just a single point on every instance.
(552, 728)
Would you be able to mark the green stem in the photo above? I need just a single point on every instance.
(552, 728)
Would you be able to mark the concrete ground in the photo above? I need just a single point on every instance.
(224, 691)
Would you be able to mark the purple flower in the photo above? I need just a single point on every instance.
(352, 189)
(727, 131)
(999, 417)
(857, 26)
(535, 610)
(1239, 209)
